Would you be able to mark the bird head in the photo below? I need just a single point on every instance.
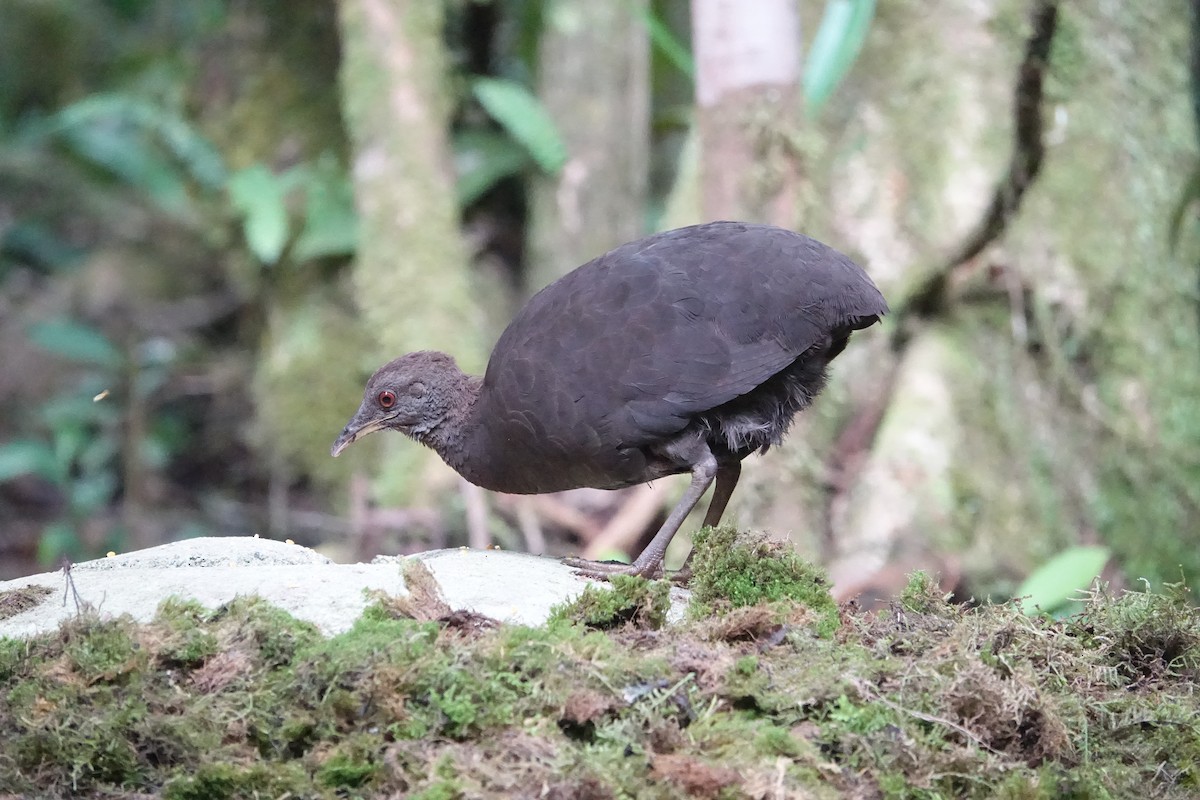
(406, 395)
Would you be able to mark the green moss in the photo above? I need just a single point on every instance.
(84, 750)
(733, 570)
(219, 781)
(186, 643)
(274, 635)
(1147, 637)
(12, 653)
(629, 600)
(923, 595)
(442, 790)
(931, 702)
(775, 741)
(349, 768)
(102, 650)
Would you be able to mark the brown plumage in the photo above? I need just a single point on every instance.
(681, 352)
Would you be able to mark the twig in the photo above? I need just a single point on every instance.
(69, 586)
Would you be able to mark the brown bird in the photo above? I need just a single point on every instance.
(685, 351)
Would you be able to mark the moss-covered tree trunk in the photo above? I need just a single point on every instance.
(1007, 173)
(411, 277)
(593, 78)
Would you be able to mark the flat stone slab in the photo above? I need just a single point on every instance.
(510, 587)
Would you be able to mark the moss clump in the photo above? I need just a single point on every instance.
(630, 600)
(922, 595)
(273, 634)
(732, 570)
(1148, 637)
(223, 780)
(185, 641)
(98, 651)
(352, 765)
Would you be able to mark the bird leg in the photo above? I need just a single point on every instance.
(727, 479)
(649, 563)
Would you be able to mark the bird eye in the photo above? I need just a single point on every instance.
(387, 398)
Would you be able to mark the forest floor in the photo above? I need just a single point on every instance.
(767, 690)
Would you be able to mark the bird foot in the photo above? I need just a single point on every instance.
(604, 570)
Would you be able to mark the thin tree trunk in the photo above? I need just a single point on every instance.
(411, 274)
(747, 97)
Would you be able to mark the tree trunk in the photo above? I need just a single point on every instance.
(594, 80)
(411, 274)
(1046, 394)
(748, 100)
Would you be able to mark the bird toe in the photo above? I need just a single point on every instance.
(605, 570)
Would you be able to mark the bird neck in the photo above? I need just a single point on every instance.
(448, 436)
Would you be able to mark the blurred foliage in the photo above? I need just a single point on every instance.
(522, 117)
(140, 115)
(327, 225)
(839, 39)
(143, 144)
(665, 41)
(81, 453)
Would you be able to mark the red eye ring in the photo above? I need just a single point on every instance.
(387, 398)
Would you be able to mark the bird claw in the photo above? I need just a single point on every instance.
(605, 570)
(681, 577)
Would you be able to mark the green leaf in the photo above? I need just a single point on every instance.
(141, 143)
(69, 442)
(258, 194)
(128, 155)
(667, 43)
(524, 118)
(99, 452)
(330, 219)
(482, 159)
(26, 457)
(38, 244)
(1059, 579)
(88, 493)
(839, 38)
(195, 153)
(76, 341)
(58, 539)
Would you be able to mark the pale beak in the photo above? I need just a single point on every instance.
(354, 432)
